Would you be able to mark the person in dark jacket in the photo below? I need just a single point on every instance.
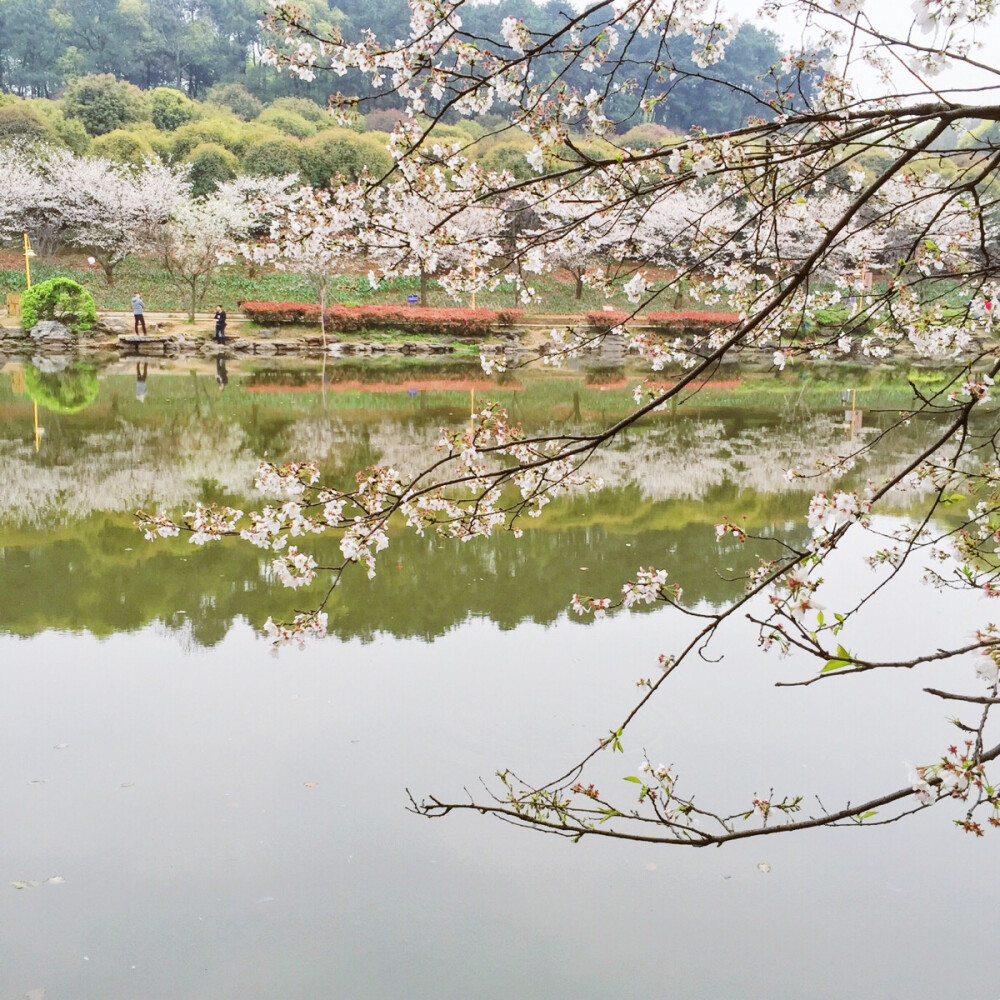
(220, 325)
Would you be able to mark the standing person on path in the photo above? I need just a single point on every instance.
(220, 325)
(138, 308)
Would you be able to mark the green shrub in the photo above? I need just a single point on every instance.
(341, 151)
(59, 299)
(121, 146)
(288, 122)
(273, 157)
(104, 104)
(237, 98)
(170, 108)
(211, 165)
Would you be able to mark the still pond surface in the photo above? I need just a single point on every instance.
(186, 815)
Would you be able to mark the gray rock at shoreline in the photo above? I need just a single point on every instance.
(113, 325)
(50, 331)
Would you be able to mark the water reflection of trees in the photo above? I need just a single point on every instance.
(98, 575)
(120, 466)
(74, 561)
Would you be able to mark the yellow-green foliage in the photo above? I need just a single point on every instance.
(210, 165)
(591, 148)
(223, 130)
(448, 134)
(19, 122)
(273, 157)
(506, 152)
(68, 132)
(304, 108)
(288, 122)
(122, 146)
(158, 142)
(341, 151)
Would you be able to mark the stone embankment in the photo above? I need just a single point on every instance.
(165, 337)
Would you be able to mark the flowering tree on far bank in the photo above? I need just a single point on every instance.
(203, 234)
(105, 209)
(766, 222)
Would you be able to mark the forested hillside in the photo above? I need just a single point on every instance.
(194, 47)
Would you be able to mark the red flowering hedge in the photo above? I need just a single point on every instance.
(354, 319)
(686, 321)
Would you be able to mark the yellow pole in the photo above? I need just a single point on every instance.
(28, 254)
(38, 430)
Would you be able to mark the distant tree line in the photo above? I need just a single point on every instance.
(191, 47)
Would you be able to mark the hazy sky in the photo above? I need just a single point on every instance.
(895, 17)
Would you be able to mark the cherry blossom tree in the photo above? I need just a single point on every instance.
(201, 235)
(104, 209)
(309, 231)
(770, 222)
(110, 210)
(407, 234)
(204, 234)
(28, 203)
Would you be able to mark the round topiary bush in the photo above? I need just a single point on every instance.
(59, 299)
(68, 391)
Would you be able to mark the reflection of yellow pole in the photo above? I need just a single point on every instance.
(38, 430)
(854, 411)
(28, 254)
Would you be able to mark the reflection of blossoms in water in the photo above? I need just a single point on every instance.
(319, 438)
(124, 469)
(687, 459)
(671, 459)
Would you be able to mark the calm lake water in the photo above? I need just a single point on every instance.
(193, 817)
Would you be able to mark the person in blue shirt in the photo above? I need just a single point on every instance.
(138, 308)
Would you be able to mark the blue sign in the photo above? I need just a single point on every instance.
(412, 299)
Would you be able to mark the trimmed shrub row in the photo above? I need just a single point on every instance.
(354, 319)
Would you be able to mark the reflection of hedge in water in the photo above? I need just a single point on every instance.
(68, 391)
(371, 370)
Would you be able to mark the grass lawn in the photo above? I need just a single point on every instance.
(556, 292)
